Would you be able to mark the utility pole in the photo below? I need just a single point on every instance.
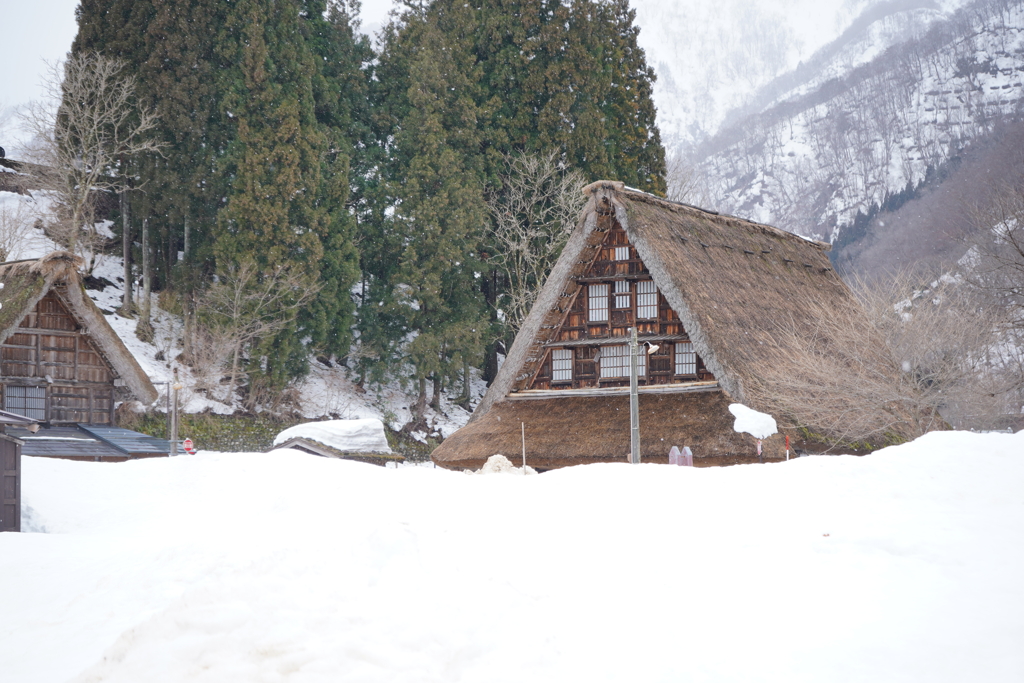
(634, 401)
(176, 387)
(634, 398)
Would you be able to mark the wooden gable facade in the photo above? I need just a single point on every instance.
(51, 371)
(590, 347)
(60, 360)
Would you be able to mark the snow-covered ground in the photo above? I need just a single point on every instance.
(904, 565)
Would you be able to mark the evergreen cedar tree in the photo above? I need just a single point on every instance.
(288, 139)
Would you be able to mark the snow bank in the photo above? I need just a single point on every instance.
(350, 436)
(903, 565)
(499, 464)
(749, 421)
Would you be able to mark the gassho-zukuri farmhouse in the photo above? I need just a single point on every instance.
(704, 288)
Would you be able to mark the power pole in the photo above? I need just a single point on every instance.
(634, 401)
(175, 387)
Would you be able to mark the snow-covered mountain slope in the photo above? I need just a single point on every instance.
(810, 162)
(713, 57)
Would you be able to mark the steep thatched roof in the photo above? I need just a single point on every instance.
(731, 281)
(22, 177)
(26, 282)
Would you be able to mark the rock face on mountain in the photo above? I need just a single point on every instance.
(878, 111)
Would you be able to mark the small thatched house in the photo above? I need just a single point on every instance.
(60, 361)
(706, 289)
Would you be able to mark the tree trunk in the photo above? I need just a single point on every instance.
(435, 398)
(188, 308)
(419, 408)
(464, 399)
(490, 287)
(144, 329)
(126, 248)
(230, 399)
(188, 334)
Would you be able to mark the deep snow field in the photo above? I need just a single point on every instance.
(905, 565)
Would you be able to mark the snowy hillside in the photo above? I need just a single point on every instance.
(328, 390)
(834, 147)
(903, 565)
(713, 57)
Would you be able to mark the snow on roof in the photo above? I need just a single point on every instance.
(348, 436)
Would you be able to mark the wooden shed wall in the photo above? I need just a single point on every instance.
(10, 484)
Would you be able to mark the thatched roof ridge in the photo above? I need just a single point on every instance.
(683, 208)
(732, 282)
(28, 281)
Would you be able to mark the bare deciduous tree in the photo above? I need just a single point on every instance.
(532, 216)
(247, 304)
(997, 261)
(16, 219)
(910, 360)
(84, 129)
(685, 183)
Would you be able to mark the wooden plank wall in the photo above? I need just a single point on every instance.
(10, 485)
(49, 342)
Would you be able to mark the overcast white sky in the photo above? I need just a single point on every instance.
(35, 31)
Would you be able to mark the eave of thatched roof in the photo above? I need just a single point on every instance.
(731, 281)
(575, 429)
(26, 282)
(22, 177)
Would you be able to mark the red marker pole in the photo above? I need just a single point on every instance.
(787, 447)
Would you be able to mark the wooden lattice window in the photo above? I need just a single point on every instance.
(615, 362)
(598, 303)
(646, 299)
(621, 253)
(561, 365)
(27, 401)
(622, 294)
(686, 359)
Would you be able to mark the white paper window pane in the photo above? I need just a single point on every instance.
(621, 253)
(27, 401)
(686, 359)
(615, 362)
(646, 299)
(561, 365)
(622, 294)
(598, 303)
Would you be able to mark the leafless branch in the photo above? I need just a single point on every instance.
(532, 216)
(84, 129)
(247, 304)
(912, 358)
